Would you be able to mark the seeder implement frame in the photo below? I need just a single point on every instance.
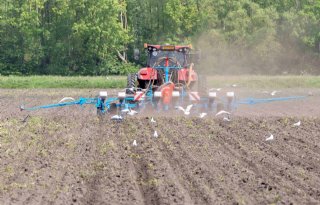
(208, 104)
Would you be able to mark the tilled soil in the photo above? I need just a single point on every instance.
(70, 156)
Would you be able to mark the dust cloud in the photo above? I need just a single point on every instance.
(268, 57)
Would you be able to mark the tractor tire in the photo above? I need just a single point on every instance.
(202, 84)
(131, 80)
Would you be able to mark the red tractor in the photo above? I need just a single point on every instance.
(166, 65)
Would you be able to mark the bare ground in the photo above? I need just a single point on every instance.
(69, 156)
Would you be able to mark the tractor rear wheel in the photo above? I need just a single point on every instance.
(131, 80)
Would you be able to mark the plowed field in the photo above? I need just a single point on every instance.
(69, 156)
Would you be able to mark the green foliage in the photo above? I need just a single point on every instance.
(61, 37)
(103, 82)
(81, 37)
(62, 82)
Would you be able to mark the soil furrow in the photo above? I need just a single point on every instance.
(271, 166)
(68, 156)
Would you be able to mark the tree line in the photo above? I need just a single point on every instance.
(83, 37)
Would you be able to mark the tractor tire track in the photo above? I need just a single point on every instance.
(288, 158)
(112, 180)
(190, 169)
(156, 176)
(212, 174)
(271, 165)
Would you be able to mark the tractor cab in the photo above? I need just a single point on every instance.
(175, 56)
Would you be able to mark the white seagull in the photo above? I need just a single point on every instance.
(223, 112)
(116, 117)
(187, 110)
(234, 85)
(134, 143)
(297, 124)
(273, 93)
(132, 112)
(270, 138)
(126, 110)
(203, 114)
(69, 99)
(227, 119)
(155, 134)
(217, 89)
(152, 120)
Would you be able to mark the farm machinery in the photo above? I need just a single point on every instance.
(168, 81)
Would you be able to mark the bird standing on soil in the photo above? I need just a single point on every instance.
(297, 124)
(187, 110)
(116, 117)
(152, 120)
(155, 134)
(134, 143)
(270, 138)
(202, 115)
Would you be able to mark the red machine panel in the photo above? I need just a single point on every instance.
(184, 75)
(147, 74)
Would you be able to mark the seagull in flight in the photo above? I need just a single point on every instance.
(202, 115)
(152, 120)
(297, 124)
(187, 110)
(132, 112)
(223, 112)
(273, 93)
(155, 134)
(134, 143)
(270, 137)
(66, 99)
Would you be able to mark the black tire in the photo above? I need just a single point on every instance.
(202, 84)
(131, 80)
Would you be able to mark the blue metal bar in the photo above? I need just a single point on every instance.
(167, 74)
(103, 105)
(170, 67)
(253, 101)
(81, 102)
